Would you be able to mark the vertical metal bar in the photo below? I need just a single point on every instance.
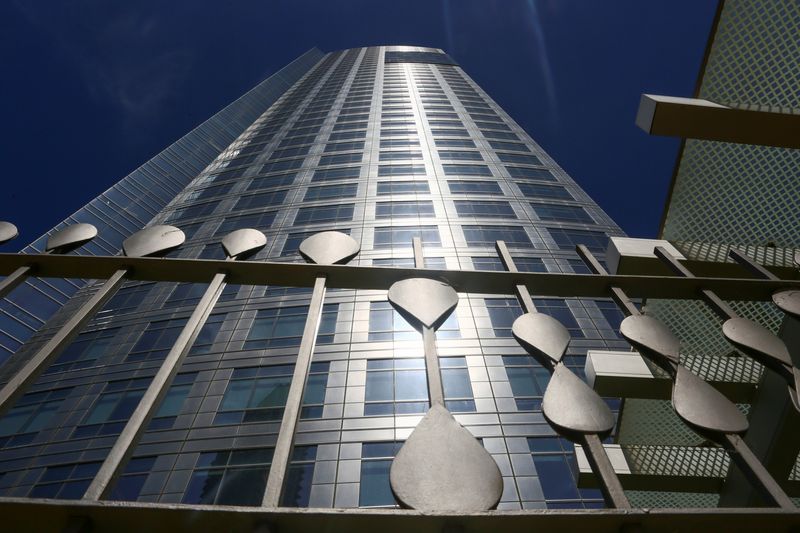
(617, 294)
(751, 265)
(27, 374)
(717, 305)
(523, 294)
(13, 280)
(419, 256)
(595, 452)
(603, 469)
(435, 388)
(137, 423)
(753, 469)
(294, 399)
(434, 375)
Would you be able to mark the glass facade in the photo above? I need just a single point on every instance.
(384, 144)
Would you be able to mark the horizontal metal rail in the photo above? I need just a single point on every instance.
(381, 278)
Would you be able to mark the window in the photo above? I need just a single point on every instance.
(455, 143)
(296, 141)
(233, 477)
(340, 159)
(209, 192)
(528, 381)
(280, 166)
(283, 326)
(113, 408)
(376, 460)
(470, 208)
(289, 152)
(395, 386)
(403, 187)
(612, 314)
(537, 190)
(344, 147)
(294, 239)
(500, 145)
(260, 221)
(492, 125)
(460, 154)
(457, 388)
(336, 174)
(314, 395)
(439, 132)
(397, 133)
(186, 294)
(65, 482)
(393, 143)
(404, 209)
(562, 213)
(193, 211)
(554, 458)
(127, 298)
(467, 170)
(502, 313)
(500, 135)
(567, 239)
(212, 251)
(172, 403)
(324, 214)
(386, 324)
(578, 266)
(408, 262)
(327, 192)
(399, 155)
(271, 182)
(345, 135)
(299, 474)
(156, 340)
(130, 482)
(255, 394)
(531, 173)
(84, 350)
(474, 187)
(519, 158)
(523, 264)
(401, 170)
(402, 235)
(513, 236)
(263, 199)
(32, 413)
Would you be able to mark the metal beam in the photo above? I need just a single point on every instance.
(381, 278)
(695, 118)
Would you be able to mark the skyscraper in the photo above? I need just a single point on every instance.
(385, 144)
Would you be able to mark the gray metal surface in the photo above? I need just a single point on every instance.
(153, 240)
(443, 468)
(329, 248)
(703, 407)
(757, 341)
(426, 302)
(788, 301)
(71, 237)
(542, 335)
(8, 231)
(651, 336)
(243, 242)
(573, 407)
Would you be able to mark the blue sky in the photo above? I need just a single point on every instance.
(95, 88)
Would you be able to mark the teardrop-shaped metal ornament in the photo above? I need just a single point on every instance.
(541, 334)
(329, 248)
(703, 407)
(442, 467)
(757, 341)
(424, 301)
(788, 301)
(651, 335)
(153, 240)
(573, 407)
(243, 242)
(8, 231)
(70, 238)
